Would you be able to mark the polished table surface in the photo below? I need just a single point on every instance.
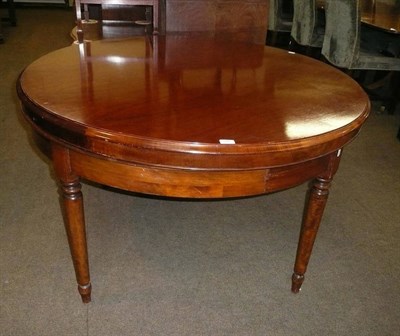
(190, 117)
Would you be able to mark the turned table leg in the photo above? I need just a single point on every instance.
(313, 212)
(72, 201)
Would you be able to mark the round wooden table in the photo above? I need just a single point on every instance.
(190, 117)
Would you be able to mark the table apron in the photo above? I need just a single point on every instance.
(191, 183)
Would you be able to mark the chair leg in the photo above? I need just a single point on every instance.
(272, 37)
(391, 101)
(11, 13)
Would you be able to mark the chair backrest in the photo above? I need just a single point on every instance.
(341, 45)
(85, 16)
(306, 23)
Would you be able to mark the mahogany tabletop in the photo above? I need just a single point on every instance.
(190, 117)
(184, 96)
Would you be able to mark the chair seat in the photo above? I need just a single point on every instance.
(375, 61)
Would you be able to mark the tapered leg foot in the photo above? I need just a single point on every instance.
(297, 281)
(85, 292)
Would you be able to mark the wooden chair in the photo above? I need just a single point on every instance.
(85, 17)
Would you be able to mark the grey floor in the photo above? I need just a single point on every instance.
(167, 267)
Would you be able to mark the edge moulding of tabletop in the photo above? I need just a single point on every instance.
(125, 115)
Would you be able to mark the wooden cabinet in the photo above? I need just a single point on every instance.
(240, 19)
